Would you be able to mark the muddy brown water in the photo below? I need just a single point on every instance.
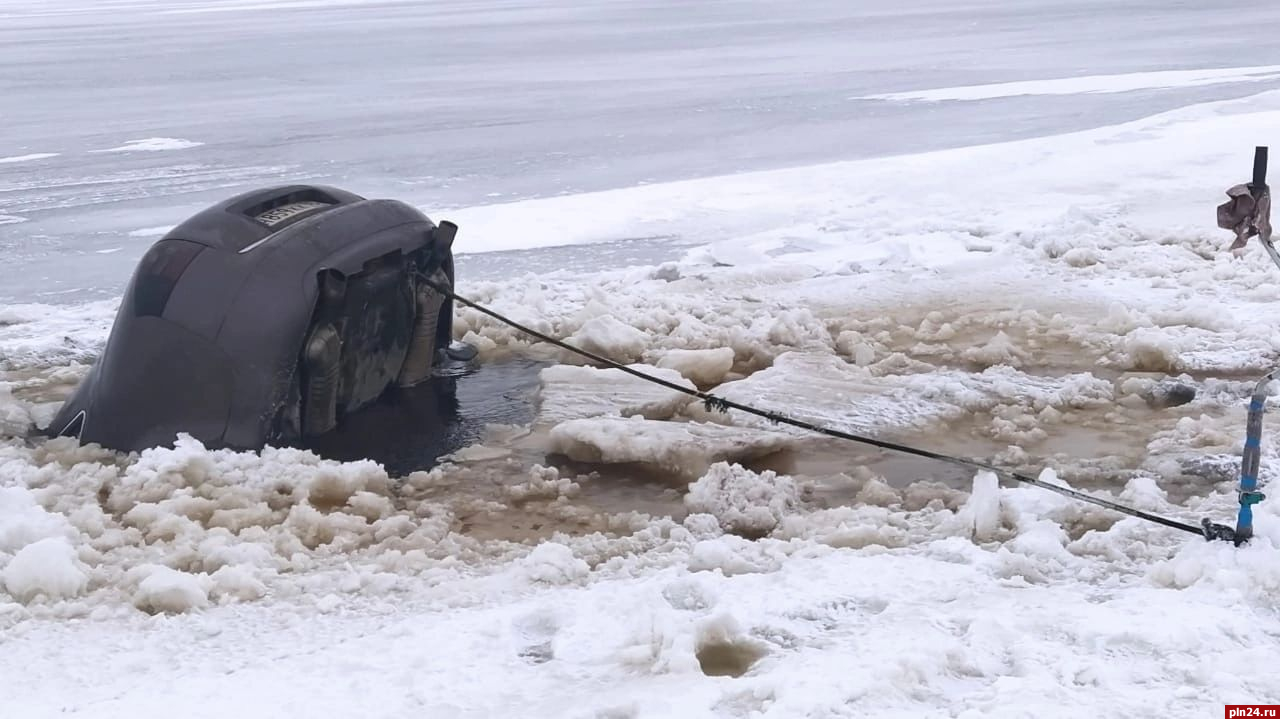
(1100, 448)
(412, 431)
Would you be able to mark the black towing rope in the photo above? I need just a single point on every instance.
(1207, 530)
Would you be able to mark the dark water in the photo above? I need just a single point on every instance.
(411, 429)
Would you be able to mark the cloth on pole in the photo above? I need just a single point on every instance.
(1247, 213)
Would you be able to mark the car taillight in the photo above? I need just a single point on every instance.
(157, 274)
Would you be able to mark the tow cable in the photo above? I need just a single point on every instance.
(1207, 529)
(1247, 213)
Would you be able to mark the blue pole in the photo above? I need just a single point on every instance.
(1252, 459)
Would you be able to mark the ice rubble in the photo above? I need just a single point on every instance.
(46, 568)
(161, 589)
(744, 502)
(554, 563)
(702, 367)
(609, 338)
(983, 507)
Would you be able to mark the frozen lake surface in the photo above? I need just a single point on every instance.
(121, 118)
(780, 202)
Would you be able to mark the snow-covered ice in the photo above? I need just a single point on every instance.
(1127, 82)
(153, 144)
(31, 157)
(150, 231)
(678, 448)
(301, 578)
(541, 98)
(1019, 302)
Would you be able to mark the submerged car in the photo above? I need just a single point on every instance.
(268, 318)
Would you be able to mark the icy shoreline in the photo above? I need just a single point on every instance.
(993, 317)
